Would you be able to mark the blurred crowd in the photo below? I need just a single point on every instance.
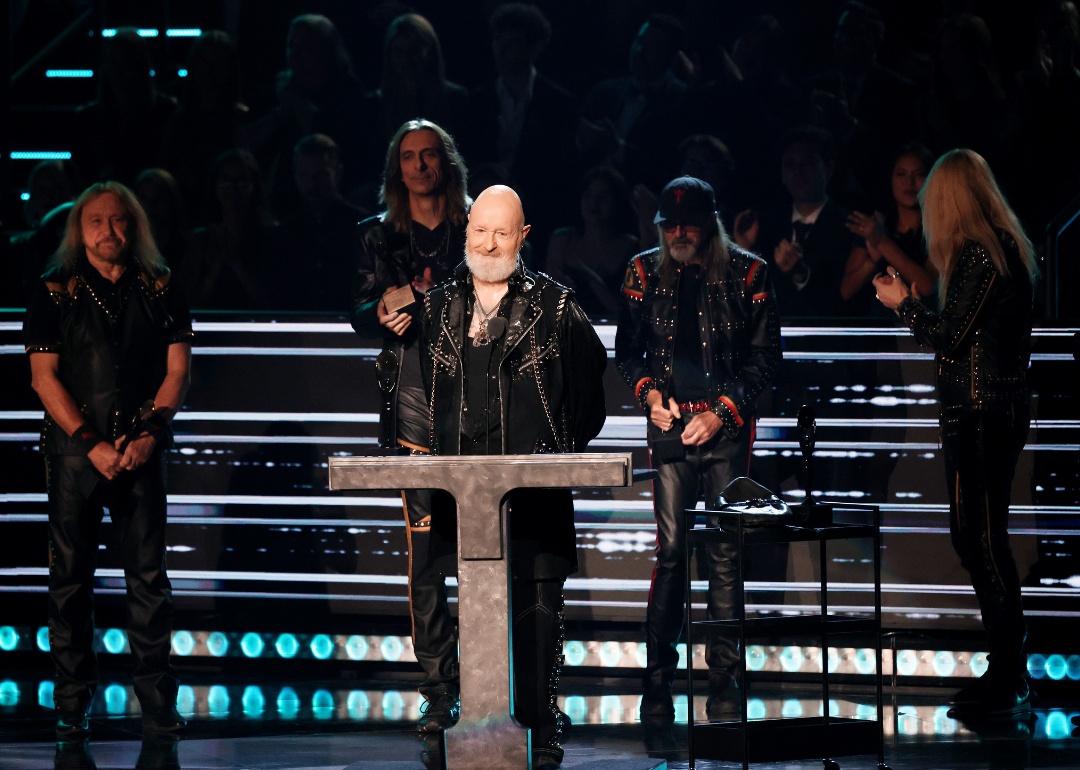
(257, 209)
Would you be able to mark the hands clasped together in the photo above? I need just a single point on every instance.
(701, 428)
(110, 463)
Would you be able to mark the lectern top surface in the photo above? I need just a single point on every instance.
(620, 458)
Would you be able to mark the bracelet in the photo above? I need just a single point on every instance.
(86, 437)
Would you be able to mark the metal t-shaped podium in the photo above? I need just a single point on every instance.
(487, 736)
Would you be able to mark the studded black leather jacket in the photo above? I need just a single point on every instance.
(739, 326)
(982, 337)
(550, 372)
(385, 258)
(112, 341)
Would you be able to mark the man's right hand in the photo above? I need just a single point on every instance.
(787, 255)
(396, 322)
(662, 418)
(106, 459)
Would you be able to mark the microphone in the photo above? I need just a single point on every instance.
(808, 423)
(496, 327)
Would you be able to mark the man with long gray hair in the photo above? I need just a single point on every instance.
(698, 340)
(110, 353)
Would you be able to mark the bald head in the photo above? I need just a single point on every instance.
(496, 231)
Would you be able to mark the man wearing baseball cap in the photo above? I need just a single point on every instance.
(698, 340)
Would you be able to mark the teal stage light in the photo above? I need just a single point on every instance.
(9, 693)
(1036, 666)
(610, 654)
(681, 648)
(288, 704)
(1056, 667)
(183, 32)
(943, 725)
(322, 646)
(907, 661)
(181, 73)
(791, 659)
(834, 660)
(183, 643)
(755, 657)
(610, 710)
(114, 641)
(944, 663)
(574, 653)
(147, 32)
(1057, 726)
(45, 694)
(865, 660)
(1072, 667)
(9, 638)
(115, 699)
(980, 661)
(185, 700)
(791, 709)
(755, 708)
(577, 709)
(217, 702)
(24, 197)
(286, 645)
(641, 655)
(40, 155)
(393, 705)
(42, 639)
(865, 711)
(253, 701)
(69, 73)
(252, 645)
(391, 648)
(356, 648)
(322, 704)
(357, 705)
(217, 644)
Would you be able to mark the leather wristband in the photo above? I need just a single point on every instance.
(86, 437)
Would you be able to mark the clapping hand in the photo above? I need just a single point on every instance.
(891, 289)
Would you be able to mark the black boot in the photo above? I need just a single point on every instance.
(166, 721)
(1006, 691)
(538, 639)
(441, 710)
(72, 726)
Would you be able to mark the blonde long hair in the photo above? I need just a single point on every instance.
(140, 240)
(961, 201)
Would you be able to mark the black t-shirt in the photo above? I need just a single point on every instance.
(688, 380)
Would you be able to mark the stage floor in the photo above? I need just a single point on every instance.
(321, 726)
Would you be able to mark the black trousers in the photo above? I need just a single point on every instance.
(136, 503)
(709, 468)
(537, 607)
(982, 448)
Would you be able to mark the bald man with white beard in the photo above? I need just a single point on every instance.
(512, 365)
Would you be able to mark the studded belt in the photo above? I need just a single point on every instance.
(695, 406)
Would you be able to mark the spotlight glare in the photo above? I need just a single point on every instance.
(755, 657)
(45, 694)
(183, 643)
(1056, 667)
(114, 641)
(9, 638)
(391, 648)
(252, 645)
(9, 693)
(356, 648)
(322, 704)
(217, 644)
(907, 662)
(322, 646)
(1036, 666)
(286, 645)
(574, 653)
(115, 699)
(217, 702)
(865, 660)
(42, 639)
(944, 664)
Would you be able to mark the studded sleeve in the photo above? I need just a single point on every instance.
(584, 358)
(969, 296)
(630, 335)
(736, 403)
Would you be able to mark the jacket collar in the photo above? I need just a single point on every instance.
(524, 311)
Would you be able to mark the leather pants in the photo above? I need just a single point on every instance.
(136, 503)
(433, 633)
(709, 468)
(982, 448)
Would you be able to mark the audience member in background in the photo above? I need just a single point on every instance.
(532, 133)
(591, 257)
(1045, 149)
(318, 93)
(316, 241)
(51, 183)
(809, 242)
(868, 108)
(120, 133)
(761, 55)
(634, 121)
(210, 112)
(414, 85)
(701, 156)
(160, 197)
(891, 240)
(416, 242)
(966, 106)
(225, 268)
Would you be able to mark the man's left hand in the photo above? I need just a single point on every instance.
(701, 429)
(137, 452)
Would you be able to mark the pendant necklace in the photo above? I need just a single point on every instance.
(481, 336)
(429, 255)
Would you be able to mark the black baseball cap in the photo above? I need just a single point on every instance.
(686, 199)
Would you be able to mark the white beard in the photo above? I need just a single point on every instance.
(488, 269)
(682, 253)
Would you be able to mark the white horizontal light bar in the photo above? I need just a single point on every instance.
(69, 73)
